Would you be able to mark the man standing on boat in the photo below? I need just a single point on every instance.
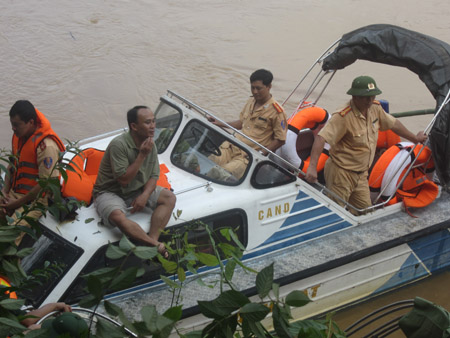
(262, 119)
(127, 180)
(352, 135)
(36, 149)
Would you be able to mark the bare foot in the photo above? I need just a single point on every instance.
(162, 250)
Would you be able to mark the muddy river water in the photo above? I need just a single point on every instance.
(85, 63)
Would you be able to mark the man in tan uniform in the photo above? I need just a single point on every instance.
(352, 134)
(262, 119)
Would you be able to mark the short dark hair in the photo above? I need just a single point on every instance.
(24, 109)
(132, 115)
(262, 75)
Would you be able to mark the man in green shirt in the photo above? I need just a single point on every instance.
(127, 181)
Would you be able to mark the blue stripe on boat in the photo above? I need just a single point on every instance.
(433, 251)
(311, 226)
(306, 215)
(303, 204)
(295, 240)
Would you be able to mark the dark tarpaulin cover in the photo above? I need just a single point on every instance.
(424, 55)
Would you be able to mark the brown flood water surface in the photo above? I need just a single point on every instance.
(85, 63)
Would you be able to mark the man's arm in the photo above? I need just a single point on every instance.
(401, 131)
(13, 204)
(274, 145)
(7, 186)
(311, 173)
(237, 124)
(44, 310)
(139, 203)
(132, 170)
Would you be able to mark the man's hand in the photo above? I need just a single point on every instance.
(8, 204)
(146, 146)
(311, 174)
(421, 137)
(139, 203)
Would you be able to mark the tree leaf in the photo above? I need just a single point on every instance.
(95, 287)
(106, 329)
(193, 334)
(181, 274)
(208, 309)
(307, 326)
(264, 280)
(229, 269)
(88, 301)
(236, 240)
(297, 298)
(24, 252)
(125, 244)
(12, 304)
(276, 290)
(114, 252)
(149, 315)
(171, 283)
(174, 313)
(280, 323)
(207, 259)
(226, 233)
(145, 252)
(167, 265)
(112, 309)
(8, 266)
(254, 312)
(124, 280)
(256, 329)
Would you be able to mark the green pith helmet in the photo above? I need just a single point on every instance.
(364, 86)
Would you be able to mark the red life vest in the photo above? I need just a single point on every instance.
(27, 171)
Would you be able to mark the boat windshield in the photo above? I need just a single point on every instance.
(204, 152)
(51, 259)
(168, 119)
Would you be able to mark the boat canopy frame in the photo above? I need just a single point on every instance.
(426, 56)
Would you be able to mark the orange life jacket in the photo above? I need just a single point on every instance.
(26, 168)
(80, 182)
(320, 162)
(309, 117)
(5, 282)
(85, 165)
(387, 139)
(390, 169)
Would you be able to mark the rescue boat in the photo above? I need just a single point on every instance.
(316, 245)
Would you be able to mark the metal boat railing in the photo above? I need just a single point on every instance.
(296, 171)
(91, 314)
(378, 317)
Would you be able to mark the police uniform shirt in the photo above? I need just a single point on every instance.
(265, 124)
(47, 155)
(353, 138)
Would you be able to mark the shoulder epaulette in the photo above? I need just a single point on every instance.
(277, 107)
(345, 111)
(376, 102)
